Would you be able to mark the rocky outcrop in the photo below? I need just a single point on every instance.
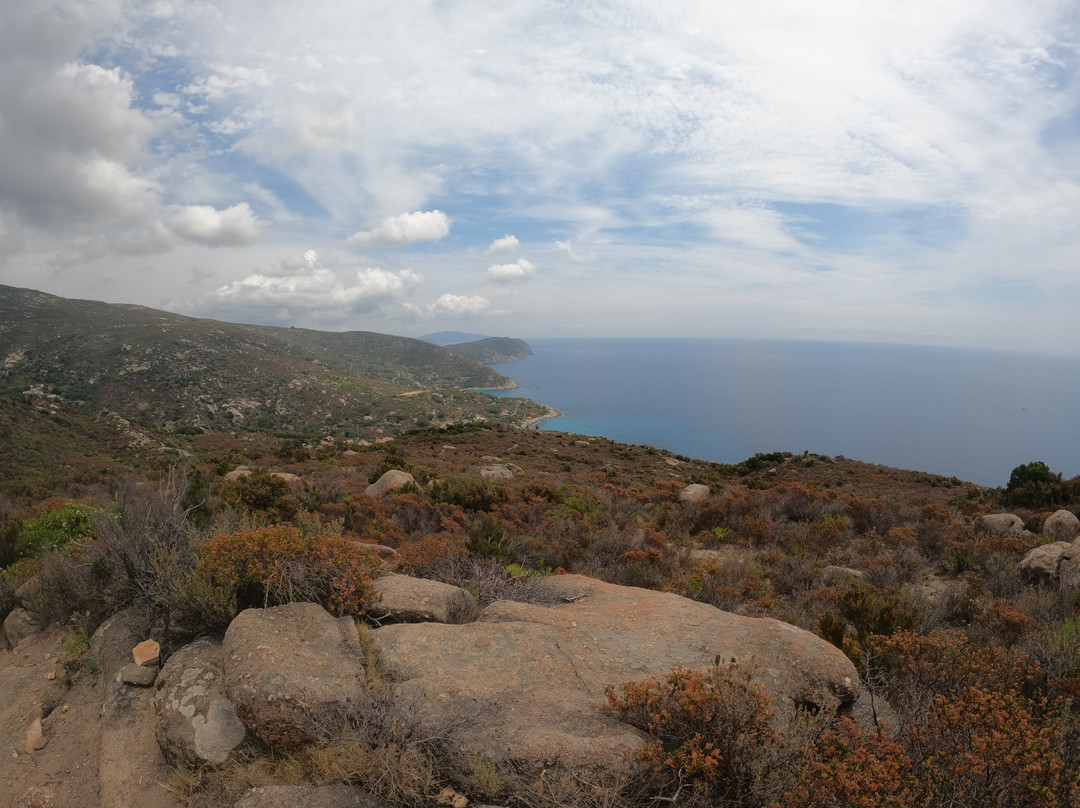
(695, 492)
(497, 471)
(1041, 564)
(197, 723)
(532, 678)
(1061, 526)
(403, 599)
(289, 669)
(1002, 524)
(390, 481)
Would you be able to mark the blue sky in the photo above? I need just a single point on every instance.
(899, 172)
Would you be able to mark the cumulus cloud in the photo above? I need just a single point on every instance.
(505, 273)
(429, 225)
(453, 306)
(506, 245)
(216, 228)
(316, 288)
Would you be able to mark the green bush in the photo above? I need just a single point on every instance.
(57, 530)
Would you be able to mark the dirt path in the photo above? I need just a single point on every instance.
(63, 774)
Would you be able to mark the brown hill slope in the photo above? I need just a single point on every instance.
(165, 369)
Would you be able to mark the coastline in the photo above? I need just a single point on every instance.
(535, 421)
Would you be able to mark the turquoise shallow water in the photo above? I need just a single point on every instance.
(965, 413)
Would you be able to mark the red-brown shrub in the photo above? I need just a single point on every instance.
(279, 564)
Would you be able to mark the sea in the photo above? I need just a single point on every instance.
(971, 414)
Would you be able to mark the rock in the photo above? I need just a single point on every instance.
(1002, 524)
(404, 599)
(1069, 568)
(1061, 526)
(28, 589)
(498, 471)
(387, 554)
(114, 640)
(20, 624)
(197, 723)
(138, 675)
(533, 677)
(291, 479)
(837, 576)
(335, 796)
(390, 481)
(146, 653)
(33, 738)
(1040, 565)
(288, 668)
(238, 472)
(695, 492)
(450, 797)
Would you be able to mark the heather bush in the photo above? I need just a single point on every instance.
(713, 734)
(280, 564)
(848, 767)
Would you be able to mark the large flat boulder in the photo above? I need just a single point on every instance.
(291, 668)
(532, 678)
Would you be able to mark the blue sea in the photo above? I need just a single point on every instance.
(971, 414)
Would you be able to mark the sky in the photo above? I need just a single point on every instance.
(869, 171)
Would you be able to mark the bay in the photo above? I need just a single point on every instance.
(966, 413)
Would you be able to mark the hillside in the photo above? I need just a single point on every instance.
(165, 370)
(492, 349)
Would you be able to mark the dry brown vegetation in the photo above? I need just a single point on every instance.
(980, 666)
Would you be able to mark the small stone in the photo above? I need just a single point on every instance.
(450, 797)
(146, 652)
(138, 675)
(65, 708)
(33, 738)
(51, 675)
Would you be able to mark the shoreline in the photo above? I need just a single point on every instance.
(536, 420)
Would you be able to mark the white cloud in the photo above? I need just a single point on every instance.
(429, 225)
(317, 288)
(506, 245)
(505, 273)
(216, 228)
(453, 306)
(228, 79)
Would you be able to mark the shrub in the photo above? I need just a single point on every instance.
(279, 564)
(258, 493)
(847, 768)
(57, 529)
(984, 748)
(711, 731)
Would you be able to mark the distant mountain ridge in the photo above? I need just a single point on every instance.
(159, 368)
(492, 349)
